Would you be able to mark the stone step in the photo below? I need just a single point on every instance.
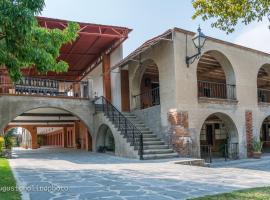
(154, 147)
(151, 139)
(157, 151)
(149, 143)
(159, 156)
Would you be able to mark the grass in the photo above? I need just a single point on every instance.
(262, 193)
(7, 180)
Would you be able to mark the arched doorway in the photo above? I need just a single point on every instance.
(148, 84)
(53, 127)
(105, 140)
(219, 137)
(265, 135)
(215, 76)
(263, 83)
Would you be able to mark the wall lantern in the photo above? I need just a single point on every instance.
(198, 41)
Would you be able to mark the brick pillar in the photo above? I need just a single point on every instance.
(34, 138)
(180, 138)
(64, 137)
(106, 76)
(249, 132)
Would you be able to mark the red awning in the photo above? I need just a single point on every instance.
(84, 54)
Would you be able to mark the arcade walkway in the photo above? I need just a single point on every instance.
(85, 175)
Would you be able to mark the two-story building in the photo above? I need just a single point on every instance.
(154, 104)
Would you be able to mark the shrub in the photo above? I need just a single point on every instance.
(1, 144)
(8, 140)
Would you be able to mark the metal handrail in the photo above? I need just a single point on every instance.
(148, 91)
(129, 130)
(152, 97)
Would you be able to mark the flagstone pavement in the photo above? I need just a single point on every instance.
(62, 174)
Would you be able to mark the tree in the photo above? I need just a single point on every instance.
(23, 43)
(227, 13)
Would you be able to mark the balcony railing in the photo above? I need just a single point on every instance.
(147, 99)
(216, 90)
(263, 95)
(45, 87)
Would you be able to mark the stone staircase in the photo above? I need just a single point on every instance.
(154, 148)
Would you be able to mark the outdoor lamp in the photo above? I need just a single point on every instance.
(198, 41)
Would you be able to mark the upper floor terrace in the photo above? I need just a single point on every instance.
(92, 48)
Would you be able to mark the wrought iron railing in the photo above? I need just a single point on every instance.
(216, 90)
(45, 87)
(206, 153)
(263, 95)
(147, 99)
(133, 135)
(231, 151)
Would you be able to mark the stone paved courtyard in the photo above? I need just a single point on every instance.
(85, 175)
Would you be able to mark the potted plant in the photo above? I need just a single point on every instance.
(257, 148)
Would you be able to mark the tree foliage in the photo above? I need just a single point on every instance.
(23, 43)
(227, 13)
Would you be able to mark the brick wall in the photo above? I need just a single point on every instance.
(179, 134)
(249, 132)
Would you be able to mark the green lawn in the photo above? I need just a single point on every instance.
(248, 194)
(7, 180)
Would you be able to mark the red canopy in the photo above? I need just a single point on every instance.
(84, 54)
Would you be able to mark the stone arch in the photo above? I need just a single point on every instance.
(82, 109)
(215, 76)
(263, 83)
(145, 79)
(105, 141)
(217, 130)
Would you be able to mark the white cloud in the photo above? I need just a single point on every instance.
(257, 37)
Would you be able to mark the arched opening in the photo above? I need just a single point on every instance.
(18, 137)
(51, 128)
(215, 76)
(219, 137)
(265, 135)
(148, 77)
(105, 141)
(263, 83)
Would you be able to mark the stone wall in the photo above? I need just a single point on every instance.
(151, 118)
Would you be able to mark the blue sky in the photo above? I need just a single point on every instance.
(149, 18)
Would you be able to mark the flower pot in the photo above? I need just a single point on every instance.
(257, 155)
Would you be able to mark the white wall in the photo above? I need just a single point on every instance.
(115, 57)
(97, 80)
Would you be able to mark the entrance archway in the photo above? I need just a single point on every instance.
(54, 127)
(215, 76)
(105, 140)
(265, 135)
(147, 81)
(219, 137)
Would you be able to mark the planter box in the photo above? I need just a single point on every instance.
(257, 155)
